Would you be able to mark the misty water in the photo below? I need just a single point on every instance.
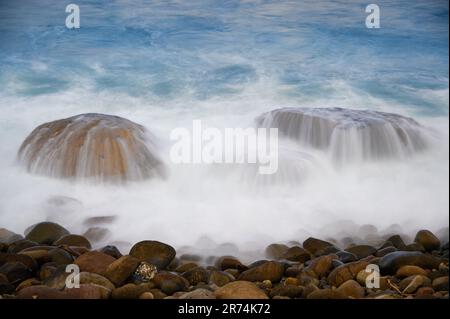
(163, 64)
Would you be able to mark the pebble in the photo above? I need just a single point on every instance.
(297, 254)
(94, 261)
(276, 251)
(313, 245)
(362, 251)
(352, 289)
(121, 269)
(440, 284)
(428, 240)
(346, 272)
(410, 270)
(390, 263)
(153, 252)
(46, 233)
(240, 290)
(269, 270)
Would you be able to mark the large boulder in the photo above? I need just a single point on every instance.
(98, 146)
(348, 134)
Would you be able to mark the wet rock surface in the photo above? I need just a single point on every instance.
(35, 268)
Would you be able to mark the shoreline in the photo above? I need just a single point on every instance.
(50, 263)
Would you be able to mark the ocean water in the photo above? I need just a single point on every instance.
(163, 64)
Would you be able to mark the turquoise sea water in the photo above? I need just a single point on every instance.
(203, 49)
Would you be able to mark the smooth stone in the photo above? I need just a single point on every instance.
(54, 277)
(146, 295)
(276, 251)
(397, 241)
(229, 262)
(111, 250)
(220, 278)
(390, 263)
(46, 233)
(196, 276)
(8, 237)
(158, 294)
(41, 256)
(121, 269)
(198, 294)
(20, 245)
(269, 270)
(428, 240)
(346, 256)
(73, 240)
(440, 283)
(185, 267)
(362, 251)
(414, 247)
(190, 257)
(41, 292)
(153, 252)
(320, 266)
(313, 245)
(240, 290)
(293, 270)
(88, 291)
(336, 263)
(26, 260)
(15, 272)
(309, 288)
(384, 251)
(60, 256)
(28, 283)
(170, 282)
(346, 272)
(297, 254)
(424, 292)
(326, 294)
(290, 291)
(94, 261)
(132, 291)
(410, 270)
(92, 278)
(352, 288)
(410, 284)
(144, 272)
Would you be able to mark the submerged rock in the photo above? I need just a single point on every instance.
(98, 146)
(348, 134)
